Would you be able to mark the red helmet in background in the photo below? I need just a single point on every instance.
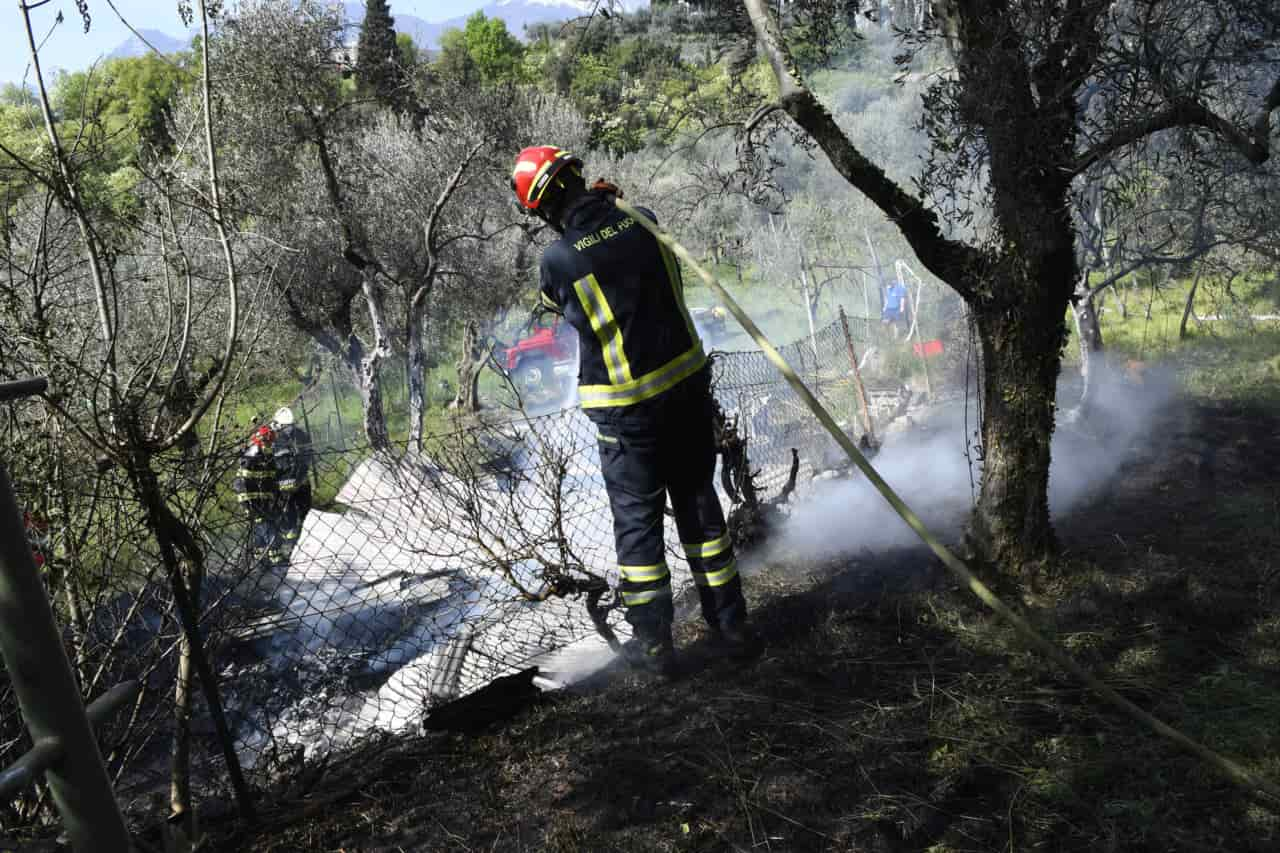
(263, 436)
(536, 169)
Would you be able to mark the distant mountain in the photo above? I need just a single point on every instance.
(426, 34)
(162, 42)
(517, 14)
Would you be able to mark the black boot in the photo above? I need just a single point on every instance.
(737, 642)
(656, 657)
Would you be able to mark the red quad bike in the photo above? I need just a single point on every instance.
(543, 362)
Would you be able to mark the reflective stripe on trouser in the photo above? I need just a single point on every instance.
(711, 561)
(643, 462)
(644, 584)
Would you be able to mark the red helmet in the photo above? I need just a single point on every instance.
(536, 168)
(263, 436)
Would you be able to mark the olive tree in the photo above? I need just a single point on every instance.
(1012, 131)
(370, 213)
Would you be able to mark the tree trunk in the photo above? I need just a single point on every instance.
(417, 375)
(375, 419)
(71, 547)
(1021, 359)
(1188, 309)
(375, 422)
(1122, 298)
(183, 560)
(470, 363)
(183, 696)
(1089, 338)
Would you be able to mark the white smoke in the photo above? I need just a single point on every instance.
(937, 475)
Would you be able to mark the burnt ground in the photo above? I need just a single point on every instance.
(890, 712)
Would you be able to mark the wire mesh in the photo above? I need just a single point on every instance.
(419, 575)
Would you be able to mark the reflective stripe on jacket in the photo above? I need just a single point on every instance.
(255, 484)
(622, 291)
(292, 458)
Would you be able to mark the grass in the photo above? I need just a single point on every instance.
(1232, 357)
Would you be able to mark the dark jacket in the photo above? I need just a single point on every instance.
(293, 458)
(621, 290)
(255, 485)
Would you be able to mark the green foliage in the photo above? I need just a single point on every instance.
(1227, 354)
(483, 52)
(409, 53)
(379, 72)
(21, 132)
(638, 88)
(816, 42)
(144, 89)
(110, 119)
(136, 90)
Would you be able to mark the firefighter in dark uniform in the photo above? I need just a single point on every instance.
(644, 380)
(293, 467)
(257, 490)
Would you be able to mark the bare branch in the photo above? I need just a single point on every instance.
(1188, 112)
(433, 220)
(228, 256)
(140, 37)
(758, 116)
(70, 191)
(958, 264)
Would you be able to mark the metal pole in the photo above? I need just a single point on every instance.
(808, 308)
(924, 359)
(48, 752)
(857, 378)
(875, 259)
(337, 408)
(311, 439)
(47, 693)
(22, 388)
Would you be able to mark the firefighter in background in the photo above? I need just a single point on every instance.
(293, 469)
(644, 381)
(257, 489)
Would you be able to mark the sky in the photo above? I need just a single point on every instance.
(69, 47)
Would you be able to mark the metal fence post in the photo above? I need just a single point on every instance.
(46, 687)
(857, 378)
(337, 406)
(311, 436)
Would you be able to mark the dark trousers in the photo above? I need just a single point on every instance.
(665, 447)
(296, 506)
(266, 541)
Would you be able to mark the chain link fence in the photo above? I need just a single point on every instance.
(419, 576)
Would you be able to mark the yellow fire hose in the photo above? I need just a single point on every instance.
(1267, 791)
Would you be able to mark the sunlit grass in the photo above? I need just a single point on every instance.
(1227, 354)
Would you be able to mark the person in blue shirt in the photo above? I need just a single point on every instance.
(895, 305)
